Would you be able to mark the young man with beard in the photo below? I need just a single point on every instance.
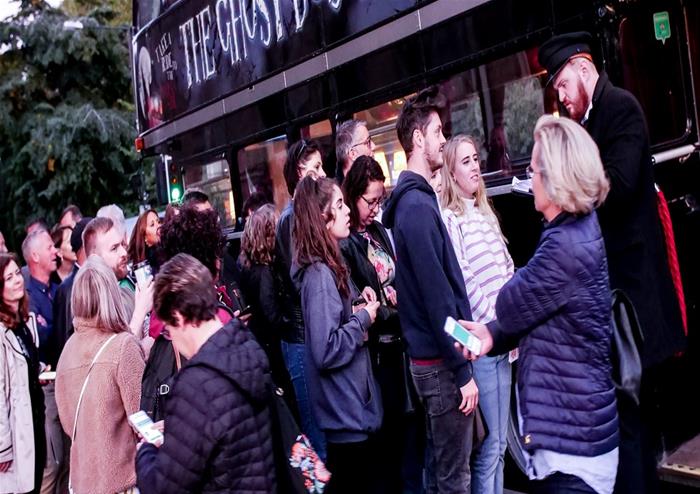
(430, 288)
(105, 239)
(633, 236)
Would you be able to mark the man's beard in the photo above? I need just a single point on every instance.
(580, 105)
(436, 161)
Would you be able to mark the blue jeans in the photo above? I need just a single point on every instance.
(449, 431)
(493, 377)
(294, 355)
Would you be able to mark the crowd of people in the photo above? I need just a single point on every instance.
(340, 302)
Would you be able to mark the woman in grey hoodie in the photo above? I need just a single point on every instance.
(343, 392)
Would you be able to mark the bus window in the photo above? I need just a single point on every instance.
(261, 167)
(213, 179)
(381, 123)
(498, 104)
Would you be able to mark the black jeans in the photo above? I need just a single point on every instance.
(449, 431)
(561, 483)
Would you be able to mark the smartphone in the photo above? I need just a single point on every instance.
(240, 302)
(459, 333)
(47, 376)
(144, 425)
(359, 301)
(143, 273)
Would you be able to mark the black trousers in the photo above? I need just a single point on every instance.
(352, 466)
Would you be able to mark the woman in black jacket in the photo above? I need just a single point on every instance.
(267, 321)
(370, 256)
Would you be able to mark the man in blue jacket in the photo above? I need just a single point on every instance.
(430, 288)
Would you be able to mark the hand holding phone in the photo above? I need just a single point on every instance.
(464, 337)
(145, 427)
(47, 376)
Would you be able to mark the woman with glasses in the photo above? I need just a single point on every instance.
(557, 309)
(486, 266)
(371, 259)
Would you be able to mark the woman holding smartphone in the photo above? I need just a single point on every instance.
(22, 440)
(343, 393)
(486, 266)
(98, 385)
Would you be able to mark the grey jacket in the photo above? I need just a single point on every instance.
(344, 394)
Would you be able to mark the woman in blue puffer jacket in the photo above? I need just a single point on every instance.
(557, 310)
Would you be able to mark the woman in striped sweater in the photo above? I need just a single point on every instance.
(486, 266)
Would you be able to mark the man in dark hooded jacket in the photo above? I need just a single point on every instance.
(218, 435)
(430, 288)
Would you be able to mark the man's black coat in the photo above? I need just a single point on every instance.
(630, 221)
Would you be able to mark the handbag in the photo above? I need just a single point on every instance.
(626, 344)
(299, 469)
(163, 364)
(80, 399)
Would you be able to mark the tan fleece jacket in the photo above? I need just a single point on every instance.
(102, 456)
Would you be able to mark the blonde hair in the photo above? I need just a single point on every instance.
(97, 298)
(571, 170)
(451, 195)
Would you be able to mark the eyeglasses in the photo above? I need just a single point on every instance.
(376, 203)
(367, 142)
(531, 172)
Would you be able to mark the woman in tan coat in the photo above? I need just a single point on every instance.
(22, 440)
(104, 444)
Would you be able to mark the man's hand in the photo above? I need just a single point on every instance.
(480, 331)
(470, 397)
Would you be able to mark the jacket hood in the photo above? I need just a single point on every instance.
(408, 181)
(233, 352)
(296, 273)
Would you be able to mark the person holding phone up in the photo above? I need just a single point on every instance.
(557, 310)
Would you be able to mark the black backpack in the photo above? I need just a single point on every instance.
(160, 369)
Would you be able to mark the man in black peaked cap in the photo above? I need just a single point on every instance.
(633, 236)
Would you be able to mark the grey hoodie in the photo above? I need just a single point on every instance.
(344, 395)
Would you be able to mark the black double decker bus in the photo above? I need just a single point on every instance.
(222, 87)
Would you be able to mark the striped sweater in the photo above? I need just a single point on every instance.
(483, 258)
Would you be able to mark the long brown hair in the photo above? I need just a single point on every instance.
(137, 243)
(7, 316)
(258, 243)
(311, 239)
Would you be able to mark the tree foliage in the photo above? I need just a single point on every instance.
(66, 115)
